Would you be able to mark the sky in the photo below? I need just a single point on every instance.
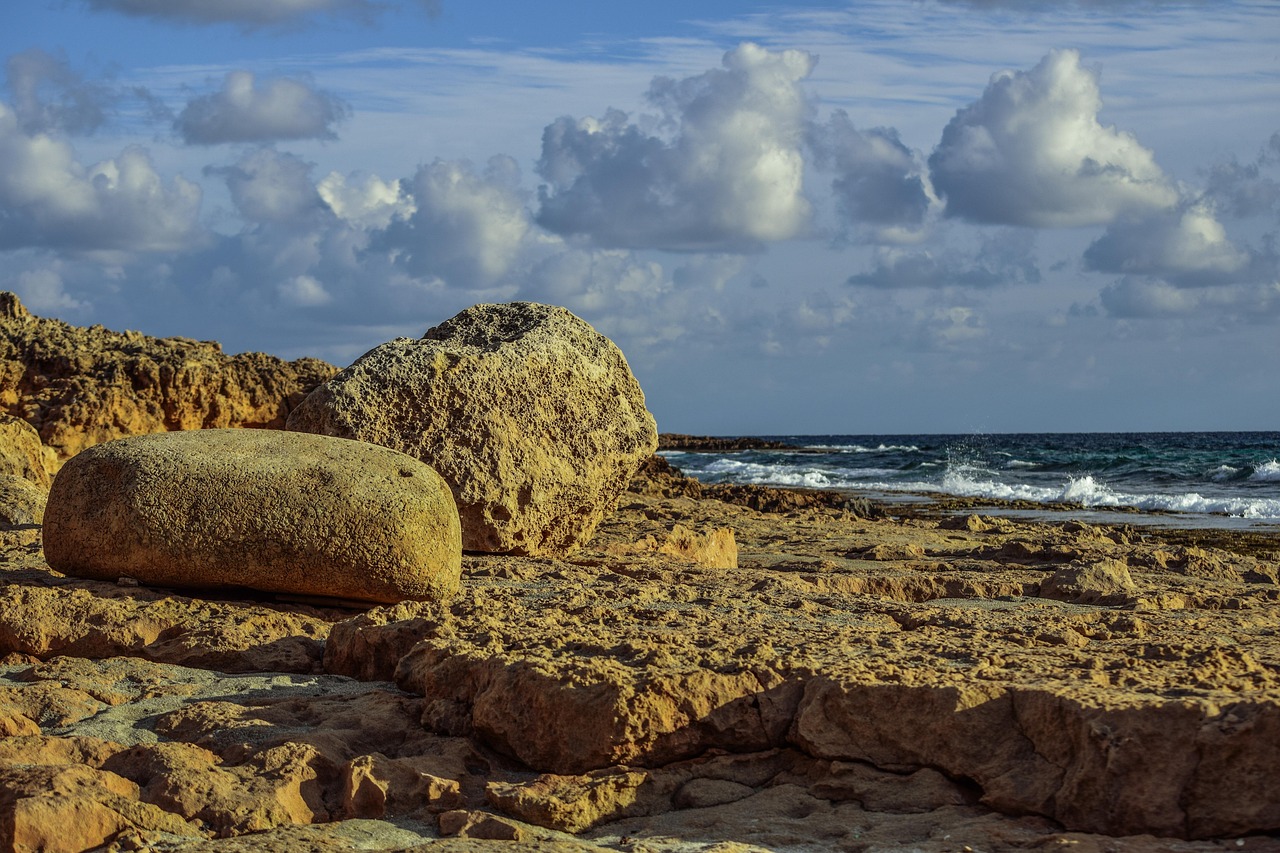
(879, 217)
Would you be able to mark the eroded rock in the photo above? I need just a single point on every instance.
(532, 417)
(82, 386)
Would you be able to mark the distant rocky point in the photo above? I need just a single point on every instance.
(717, 444)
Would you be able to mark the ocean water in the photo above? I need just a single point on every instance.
(1215, 478)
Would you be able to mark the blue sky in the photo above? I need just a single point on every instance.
(932, 216)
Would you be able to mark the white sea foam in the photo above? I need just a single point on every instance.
(1223, 472)
(777, 475)
(1018, 463)
(968, 482)
(859, 448)
(1267, 472)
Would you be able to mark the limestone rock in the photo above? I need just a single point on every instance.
(532, 417)
(22, 502)
(269, 510)
(43, 615)
(83, 386)
(1103, 582)
(21, 453)
(714, 549)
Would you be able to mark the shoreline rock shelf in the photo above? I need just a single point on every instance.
(264, 509)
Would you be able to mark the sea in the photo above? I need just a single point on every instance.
(1200, 479)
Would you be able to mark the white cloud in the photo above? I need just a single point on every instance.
(304, 291)
(44, 292)
(268, 186)
(879, 182)
(719, 170)
(365, 200)
(1031, 152)
(247, 111)
(49, 199)
(1185, 246)
(49, 96)
(465, 228)
(247, 13)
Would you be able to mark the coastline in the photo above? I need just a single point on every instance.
(849, 674)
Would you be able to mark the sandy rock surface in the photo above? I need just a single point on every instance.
(531, 416)
(913, 683)
(265, 509)
(82, 386)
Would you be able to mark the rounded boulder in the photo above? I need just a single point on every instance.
(532, 417)
(271, 510)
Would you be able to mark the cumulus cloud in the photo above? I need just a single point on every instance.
(1004, 258)
(1186, 246)
(246, 13)
(49, 97)
(365, 200)
(49, 199)
(1031, 152)
(725, 175)
(245, 110)
(466, 227)
(268, 186)
(879, 181)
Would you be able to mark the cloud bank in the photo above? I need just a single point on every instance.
(49, 199)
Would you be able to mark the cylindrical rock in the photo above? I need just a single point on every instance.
(275, 511)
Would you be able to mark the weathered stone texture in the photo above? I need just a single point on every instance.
(532, 417)
(266, 509)
(82, 386)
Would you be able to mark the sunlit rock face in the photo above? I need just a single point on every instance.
(265, 509)
(532, 416)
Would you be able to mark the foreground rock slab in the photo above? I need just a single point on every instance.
(531, 415)
(269, 510)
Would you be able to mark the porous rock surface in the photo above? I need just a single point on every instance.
(265, 509)
(80, 386)
(531, 415)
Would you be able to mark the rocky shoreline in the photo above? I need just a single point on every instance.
(718, 668)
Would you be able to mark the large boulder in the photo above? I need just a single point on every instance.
(266, 509)
(82, 386)
(532, 417)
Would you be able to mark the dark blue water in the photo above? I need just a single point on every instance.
(1220, 474)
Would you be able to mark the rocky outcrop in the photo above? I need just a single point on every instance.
(83, 386)
(264, 509)
(531, 415)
